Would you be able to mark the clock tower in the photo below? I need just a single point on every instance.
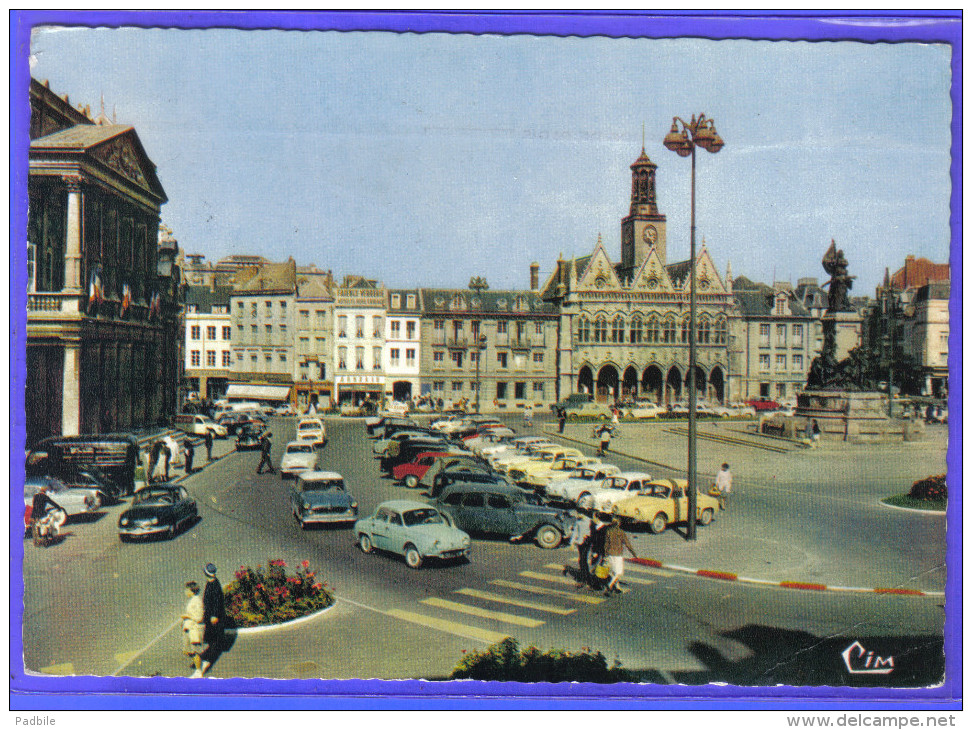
(643, 228)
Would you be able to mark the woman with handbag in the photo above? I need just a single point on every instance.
(194, 627)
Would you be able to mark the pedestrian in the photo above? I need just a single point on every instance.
(190, 455)
(154, 459)
(208, 439)
(166, 457)
(815, 433)
(561, 420)
(214, 615)
(580, 537)
(145, 457)
(528, 416)
(604, 433)
(615, 542)
(265, 446)
(723, 484)
(596, 554)
(615, 420)
(194, 627)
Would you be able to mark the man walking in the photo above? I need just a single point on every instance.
(604, 433)
(723, 484)
(580, 537)
(208, 438)
(265, 447)
(615, 542)
(561, 420)
(214, 614)
(190, 455)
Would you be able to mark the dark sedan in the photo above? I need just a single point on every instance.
(161, 509)
(248, 438)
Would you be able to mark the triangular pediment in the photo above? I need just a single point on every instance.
(707, 276)
(599, 274)
(124, 154)
(651, 276)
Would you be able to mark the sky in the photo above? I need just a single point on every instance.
(424, 160)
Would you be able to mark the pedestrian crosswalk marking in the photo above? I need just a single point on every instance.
(67, 668)
(449, 627)
(507, 618)
(487, 596)
(629, 567)
(126, 657)
(624, 578)
(552, 578)
(580, 597)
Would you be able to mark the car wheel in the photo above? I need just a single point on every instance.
(659, 524)
(706, 517)
(411, 481)
(548, 537)
(582, 496)
(413, 558)
(364, 542)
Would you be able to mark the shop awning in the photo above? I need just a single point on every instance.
(243, 391)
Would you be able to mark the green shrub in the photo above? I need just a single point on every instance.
(505, 662)
(932, 488)
(269, 596)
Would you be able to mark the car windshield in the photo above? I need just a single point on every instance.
(153, 497)
(619, 484)
(324, 485)
(300, 449)
(308, 427)
(426, 516)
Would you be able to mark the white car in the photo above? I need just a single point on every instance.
(396, 408)
(580, 482)
(621, 486)
(72, 501)
(523, 448)
(448, 423)
(644, 409)
(312, 429)
(298, 456)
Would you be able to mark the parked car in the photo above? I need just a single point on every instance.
(540, 472)
(287, 410)
(588, 408)
(574, 399)
(73, 502)
(581, 482)
(248, 438)
(298, 456)
(409, 474)
(763, 404)
(446, 478)
(233, 421)
(414, 530)
(198, 425)
(502, 460)
(158, 509)
(108, 457)
(320, 497)
(86, 484)
(546, 455)
(495, 509)
(312, 429)
(664, 502)
(642, 409)
(396, 408)
(620, 486)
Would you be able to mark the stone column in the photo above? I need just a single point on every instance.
(72, 241)
(71, 389)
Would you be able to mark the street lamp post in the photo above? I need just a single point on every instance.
(480, 347)
(683, 138)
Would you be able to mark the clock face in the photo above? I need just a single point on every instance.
(650, 235)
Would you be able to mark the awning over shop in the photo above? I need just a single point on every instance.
(244, 391)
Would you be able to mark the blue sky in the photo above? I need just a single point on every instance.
(423, 160)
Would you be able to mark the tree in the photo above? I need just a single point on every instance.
(478, 283)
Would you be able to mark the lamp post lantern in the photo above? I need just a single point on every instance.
(480, 348)
(683, 138)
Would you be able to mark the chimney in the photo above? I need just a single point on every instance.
(534, 276)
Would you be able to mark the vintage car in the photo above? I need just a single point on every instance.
(664, 502)
(642, 409)
(496, 509)
(587, 409)
(409, 474)
(763, 404)
(415, 530)
(312, 430)
(159, 509)
(248, 438)
(396, 408)
(447, 423)
(580, 482)
(547, 455)
(503, 460)
(73, 502)
(508, 446)
(620, 486)
(447, 478)
(320, 497)
(198, 425)
(539, 473)
(298, 456)
(464, 462)
(383, 446)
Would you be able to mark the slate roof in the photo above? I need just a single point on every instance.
(754, 299)
(810, 295)
(438, 301)
(678, 272)
(81, 136)
(562, 274)
(312, 287)
(403, 305)
(269, 277)
(934, 290)
(205, 297)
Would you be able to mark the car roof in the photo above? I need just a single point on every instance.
(676, 483)
(309, 476)
(629, 475)
(499, 488)
(402, 505)
(296, 443)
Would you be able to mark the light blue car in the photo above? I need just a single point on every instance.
(414, 530)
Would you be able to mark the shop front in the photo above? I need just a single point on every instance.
(356, 389)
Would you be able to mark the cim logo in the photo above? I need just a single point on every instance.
(861, 661)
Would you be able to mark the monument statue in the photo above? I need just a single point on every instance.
(840, 283)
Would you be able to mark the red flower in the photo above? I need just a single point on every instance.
(305, 564)
(317, 586)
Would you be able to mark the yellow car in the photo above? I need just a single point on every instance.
(547, 455)
(664, 502)
(541, 473)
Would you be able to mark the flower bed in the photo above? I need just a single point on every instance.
(506, 662)
(259, 596)
(930, 494)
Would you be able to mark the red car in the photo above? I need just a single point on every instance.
(763, 404)
(413, 471)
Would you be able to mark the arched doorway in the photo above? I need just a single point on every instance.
(673, 385)
(402, 390)
(717, 386)
(699, 383)
(585, 380)
(607, 384)
(629, 383)
(652, 382)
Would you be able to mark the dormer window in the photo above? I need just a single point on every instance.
(781, 305)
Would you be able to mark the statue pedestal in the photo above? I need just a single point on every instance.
(846, 327)
(852, 416)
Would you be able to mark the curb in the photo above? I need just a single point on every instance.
(793, 585)
(285, 624)
(914, 510)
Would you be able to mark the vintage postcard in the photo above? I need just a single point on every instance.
(603, 356)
